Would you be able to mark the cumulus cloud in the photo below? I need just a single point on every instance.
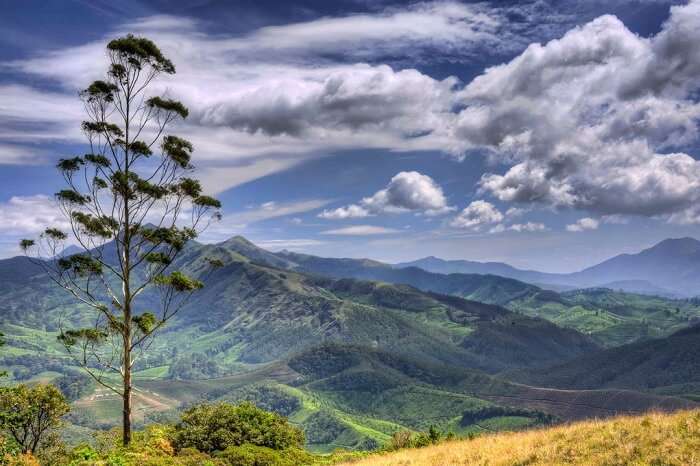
(477, 215)
(360, 230)
(268, 100)
(599, 119)
(583, 224)
(596, 120)
(341, 213)
(406, 192)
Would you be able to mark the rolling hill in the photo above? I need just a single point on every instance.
(350, 359)
(610, 317)
(665, 365)
(357, 397)
(252, 313)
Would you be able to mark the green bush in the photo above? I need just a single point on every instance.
(253, 455)
(216, 427)
(407, 439)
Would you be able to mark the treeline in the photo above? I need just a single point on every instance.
(486, 412)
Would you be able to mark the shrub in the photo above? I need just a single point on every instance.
(406, 439)
(253, 455)
(215, 427)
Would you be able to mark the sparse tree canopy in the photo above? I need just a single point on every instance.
(28, 414)
(132, 205)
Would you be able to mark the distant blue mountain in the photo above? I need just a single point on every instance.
(671, 267)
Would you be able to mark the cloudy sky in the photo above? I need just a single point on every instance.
(549, 134)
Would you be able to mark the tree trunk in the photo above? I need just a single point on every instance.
(126, 412)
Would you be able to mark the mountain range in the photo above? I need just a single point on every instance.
(639, 273)
(352, 350)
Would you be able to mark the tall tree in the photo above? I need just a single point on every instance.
(131, 205)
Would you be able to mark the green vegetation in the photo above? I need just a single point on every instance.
(666, 365)
(29, 414)
(208, 434)
(612, 318)
(349, 362)
(216, 427)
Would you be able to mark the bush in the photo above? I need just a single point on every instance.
(253, 455)
(216, 427)
(406, 439)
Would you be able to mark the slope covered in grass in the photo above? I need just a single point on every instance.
(654, 439)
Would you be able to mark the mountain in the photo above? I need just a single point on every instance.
(356, 397)
(490, 289)
(250, 312)
(664, 365)
(672, 264)
(437, 265)
(351, 360)
(669, 268)
(609, 316)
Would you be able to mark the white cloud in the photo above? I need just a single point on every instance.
(361, 230)
(528, 226)
(350, 211)
(406, 192)
(29, 215)
(269, 100)
(477, 215)
(596, 120)
(240, 220)
(449, 26)
(583, 224)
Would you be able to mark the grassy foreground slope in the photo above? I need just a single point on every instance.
(654, 439)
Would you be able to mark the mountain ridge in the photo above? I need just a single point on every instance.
(679, 258)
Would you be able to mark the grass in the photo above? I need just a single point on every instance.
(653, 439)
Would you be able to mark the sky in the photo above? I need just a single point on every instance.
(550, 135)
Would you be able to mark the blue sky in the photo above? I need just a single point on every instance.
(547, 134)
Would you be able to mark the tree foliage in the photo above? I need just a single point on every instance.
(29, 413)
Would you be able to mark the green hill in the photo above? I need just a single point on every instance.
(349, 360)
(666, 365)
(610, 317)
(356, 397)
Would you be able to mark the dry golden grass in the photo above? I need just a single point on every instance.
(654, 439)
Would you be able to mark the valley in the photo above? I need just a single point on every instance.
(355, 350)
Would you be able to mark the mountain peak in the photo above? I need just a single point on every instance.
(685, 245)
(238, 239)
